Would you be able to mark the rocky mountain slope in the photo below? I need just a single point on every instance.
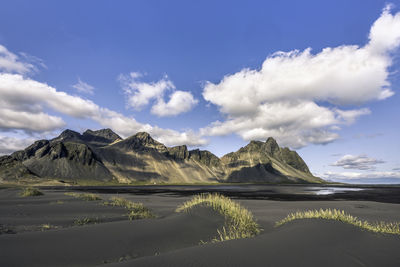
(103, 156)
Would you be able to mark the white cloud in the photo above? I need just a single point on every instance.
(360, 175)
(350, 116)
(24, 94)
(127, 126)
(10, 62)
(140, 94)
(385, 32)
(83, 87)
(28, 122)
(360, 162)
(286, 95)
(24, 103)
(179, 102)
(34, 61)
(11, 144)
(292, 123)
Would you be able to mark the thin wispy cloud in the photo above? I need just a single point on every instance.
(11, 63)
(358, 162)
(83, 87)
(360, 175)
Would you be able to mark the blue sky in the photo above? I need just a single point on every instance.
(208, 74)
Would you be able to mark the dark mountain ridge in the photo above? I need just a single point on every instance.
(103, 156)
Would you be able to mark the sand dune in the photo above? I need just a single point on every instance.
(172, 239)
(302, 243)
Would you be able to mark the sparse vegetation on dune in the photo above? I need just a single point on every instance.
(239, 222)
(47, 226)
(340, 215)
(136, 210)
(84, 196)
(85, 220)
(30, 192)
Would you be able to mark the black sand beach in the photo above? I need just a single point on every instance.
(173, 239)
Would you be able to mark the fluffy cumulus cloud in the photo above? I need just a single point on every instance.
(83, 87)
(179, 102)
(359, 162)
(25, 105)
(283, 98)
(23, 101)
(140, 94)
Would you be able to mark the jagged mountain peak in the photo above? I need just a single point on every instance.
(30, 150)
(271, 142)
(103, 155)
(205, 157)
(178, 152)
(141, 141)
(266, 156)
(103, 135)
(67, 134)
(96, 138)
(271, 146)
(102, 132)
(145, 136)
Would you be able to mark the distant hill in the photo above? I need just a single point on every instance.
(103, 156)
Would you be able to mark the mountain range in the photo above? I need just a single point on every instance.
(103, 156)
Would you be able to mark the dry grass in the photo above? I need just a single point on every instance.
(84, 196)
(30, 192)
(239, 222)
(85, 220)
(340, 215)
(47, 226)
(135, 210)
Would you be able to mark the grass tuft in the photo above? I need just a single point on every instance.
(85, 220)
(84, 196)
(135, 210)
(47, 226)
(340, 215)
(239, 222)
(30, 192)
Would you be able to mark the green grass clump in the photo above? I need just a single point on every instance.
(30, 192)
(84, 196)
(340, 215)
(135, 210)
(239, 222)
(85, 220)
